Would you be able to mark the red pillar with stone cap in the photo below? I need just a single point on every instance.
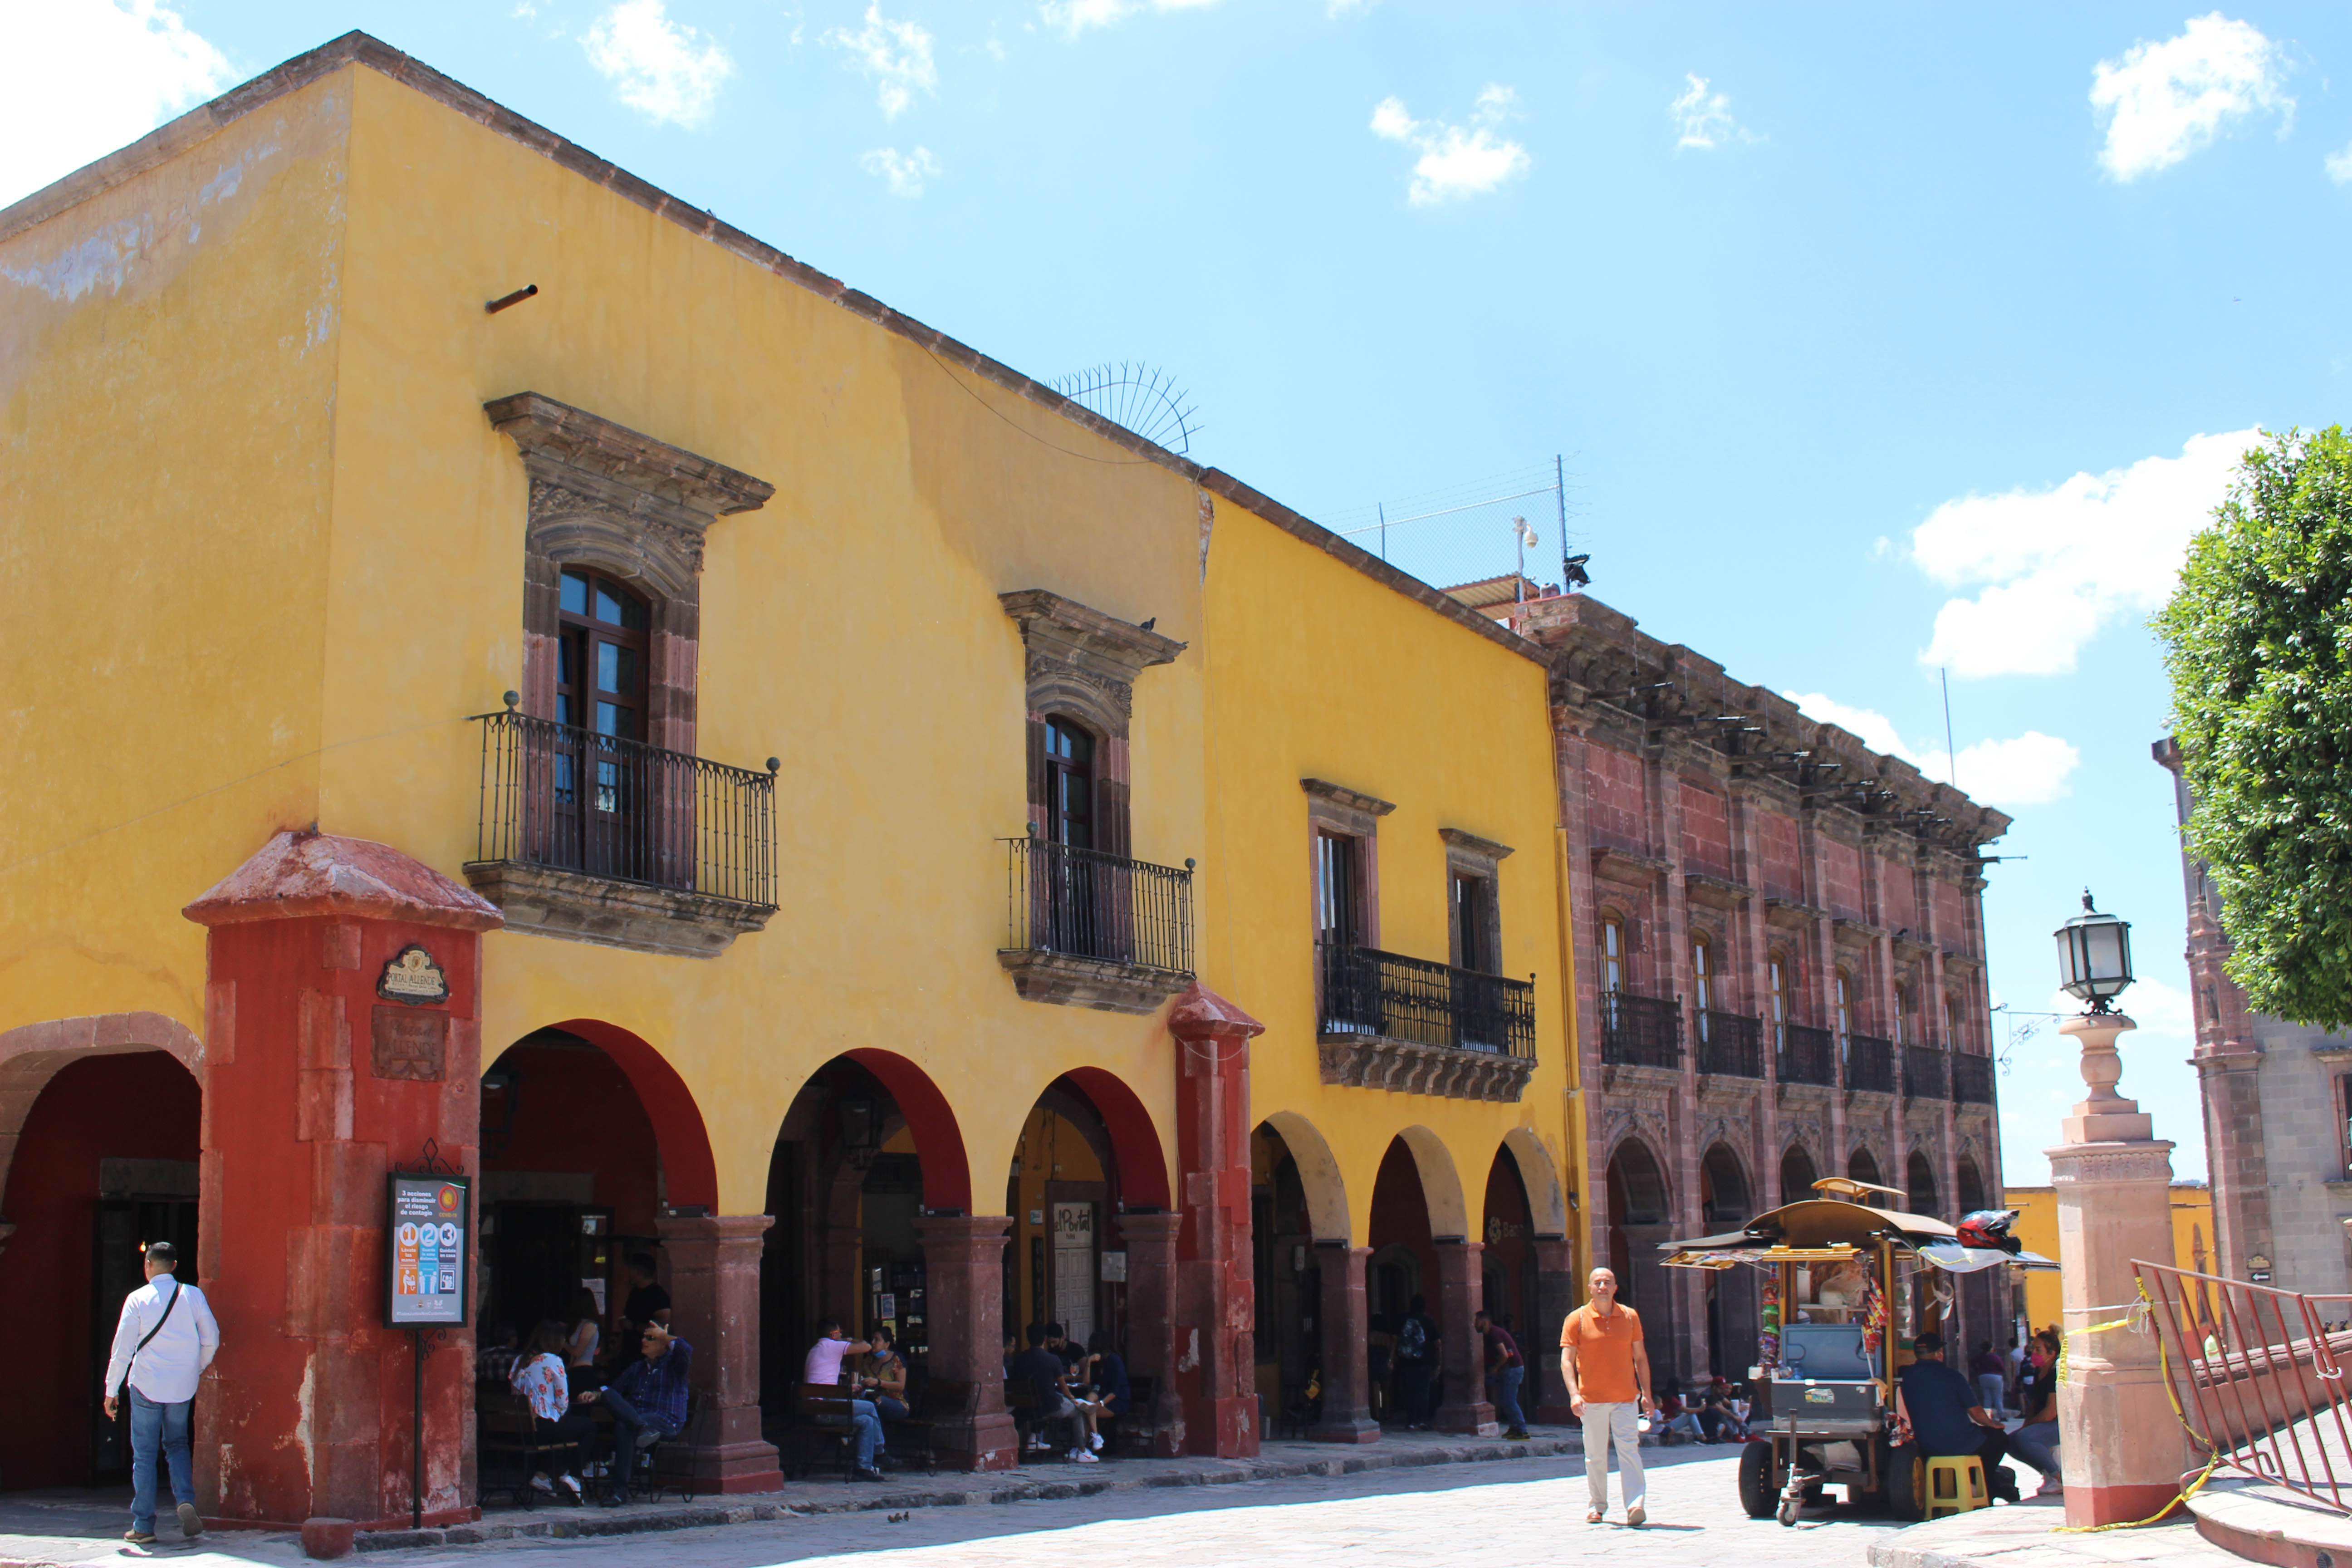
(342, 1036)
(1215, 1334)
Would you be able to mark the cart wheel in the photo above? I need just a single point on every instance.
(1906, 1483)
(1759, 1480)
(1788, 1511)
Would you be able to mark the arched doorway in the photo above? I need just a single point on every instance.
(1920, 1182)
(590, 1140)
(1417, 1209)
(1862, 1166)
(1639, 1217)
(1797, 1173)
(105, 1160)
(1508, 1264)
(1725, 1205)
(1288, 1272)
(1987, 1297)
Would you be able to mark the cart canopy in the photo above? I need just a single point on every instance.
(1819, 1225)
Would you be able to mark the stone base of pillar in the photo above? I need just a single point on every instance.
(964, 1257)
(1349, 1430)
(1460, 1288)
(1347, 1327)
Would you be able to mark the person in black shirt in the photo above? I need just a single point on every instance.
(2036, 1442)
(1416, 1360)
(1936, 1408)
(1043, 1372)
(646, 1302)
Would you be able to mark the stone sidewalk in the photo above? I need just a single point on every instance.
(2021, 1537)
(54, 1529)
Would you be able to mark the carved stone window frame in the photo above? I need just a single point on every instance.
(1468, 855)
(1348, 813)
(1082, 664)
(606, 496)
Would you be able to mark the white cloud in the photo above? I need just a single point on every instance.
(81, 77)
(896, 55)
(2031, 769)
(1703, 120)
(2058, 563)
(2339, 165)
(2162, 101)
(1075, 16)
(905, 171)
(1335, 9)
(662, 69)
(1456, 161)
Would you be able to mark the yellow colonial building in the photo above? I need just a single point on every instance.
(497, 657)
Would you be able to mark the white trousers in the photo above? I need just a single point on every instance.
(1604, 1423)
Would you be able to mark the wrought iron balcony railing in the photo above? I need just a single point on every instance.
(1083, 903)
(1368, 992)
(573, 800)
(1640, 1031)
(1923, 1075)
(1971, 1079)
(1870, 1064)
(1808, 1055)
(1731, 1045)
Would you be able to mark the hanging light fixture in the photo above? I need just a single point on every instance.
(2094, 957)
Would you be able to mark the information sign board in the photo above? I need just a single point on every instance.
(427, 1236)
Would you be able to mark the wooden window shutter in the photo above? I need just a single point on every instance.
(1038, 802)
(1111, 827)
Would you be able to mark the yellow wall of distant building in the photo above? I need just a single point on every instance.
(2037, 1228)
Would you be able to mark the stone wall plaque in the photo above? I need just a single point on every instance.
(413, 1045)
(412, 977)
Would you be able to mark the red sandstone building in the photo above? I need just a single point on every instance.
(1779, 961)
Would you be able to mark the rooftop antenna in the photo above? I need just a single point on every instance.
(1137, 398)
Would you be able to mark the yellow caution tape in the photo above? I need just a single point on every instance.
(2136, 1319)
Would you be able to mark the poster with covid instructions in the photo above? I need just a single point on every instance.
(426, 1240)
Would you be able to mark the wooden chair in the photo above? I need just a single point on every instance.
(509, 1429)
(822, 1431)
(675, 1464)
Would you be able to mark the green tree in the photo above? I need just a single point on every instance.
(2258, 640)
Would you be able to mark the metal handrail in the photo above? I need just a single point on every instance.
(1808, 1055)
(1640, 1031)
(1730, 1044)
(1369, 991)
(1924, 1073)
(1971, 1079)
(1870, 1064)
(1088, 904)
(573, 800)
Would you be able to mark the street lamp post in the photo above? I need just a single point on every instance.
(2123, 1451)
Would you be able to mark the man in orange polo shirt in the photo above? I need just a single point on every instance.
(1607, 1369)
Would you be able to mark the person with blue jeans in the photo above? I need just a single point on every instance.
(165, 1340)
(821, 1371)
(647, 1403)
(1507, 1370)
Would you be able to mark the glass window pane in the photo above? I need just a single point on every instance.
(616, 670)
(576, 593)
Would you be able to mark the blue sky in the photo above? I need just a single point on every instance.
(1877, 339)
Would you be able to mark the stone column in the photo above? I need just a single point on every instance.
(1347, 1328)
(715, 1306)
(2123, 1449)
(1151, 1240)
(1556, 1285)
(1216, 1350)
(342, 1038)
(963, 1262)
(1461, 1289)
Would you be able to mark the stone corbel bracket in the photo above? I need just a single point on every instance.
(1474, 848)
(1408, 1066)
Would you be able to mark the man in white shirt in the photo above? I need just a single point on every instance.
(822, 1370)
(163, 1344)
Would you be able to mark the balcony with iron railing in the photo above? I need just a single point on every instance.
(1640, 1031)
(601, 840)
(1807, 1056)
(1869, 1064)
(1730, 1045)
(1971, 1079)
(1091, 930)
(1387, 1021)
(1924, 1073)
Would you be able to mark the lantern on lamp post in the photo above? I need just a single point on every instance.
(2094, 957)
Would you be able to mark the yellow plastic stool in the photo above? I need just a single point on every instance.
(1956, 1486)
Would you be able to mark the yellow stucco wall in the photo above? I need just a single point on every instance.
(2037, 1227)
(277, 551)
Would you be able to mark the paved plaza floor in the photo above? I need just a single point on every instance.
(1517, 1511)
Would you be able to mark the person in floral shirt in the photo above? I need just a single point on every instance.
(539, 1377)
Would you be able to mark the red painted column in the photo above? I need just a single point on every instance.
(715, 1304)
(963, 1261)
(1461, 1291)
(1217, 1357)
(1347, 1328)
(322, 1072)
(1555, 1300)
(1151, 1241)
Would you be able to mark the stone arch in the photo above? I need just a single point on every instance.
(1968, 1186)
(1862, 1165)
(31, 1054)
(1547, 1196)
(1730, 1195)
(689, 1170)
(1319, 1172)
(1648, 1190)
(1440, 1183)
(1799, 1171)
(946, 1167)
(1919, 1184)
(1135, 1141)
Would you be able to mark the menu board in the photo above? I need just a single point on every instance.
(425, 1245)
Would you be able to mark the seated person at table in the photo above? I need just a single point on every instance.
(1110, 1384)
(539, 1376)
(1719, 1414)
(2036, 1438)
(582, 1334)
(647, 1403)
(1937, 1405)
(1043, 1372)
(1679, 1418)
(823, 1370)
(883, 1375)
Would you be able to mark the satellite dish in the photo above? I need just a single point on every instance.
(1136, 397)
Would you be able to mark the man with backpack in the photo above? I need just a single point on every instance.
(1416, 1361)
(162, 1345)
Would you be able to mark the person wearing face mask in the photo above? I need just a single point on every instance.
(2036, 1442)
